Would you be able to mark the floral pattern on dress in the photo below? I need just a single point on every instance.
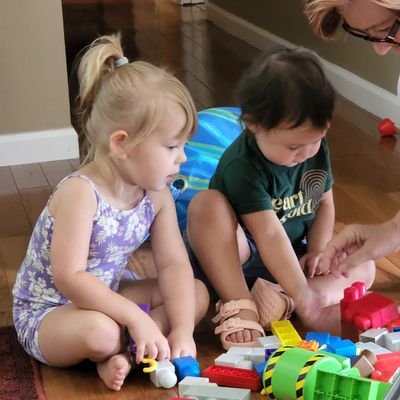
(115, 236)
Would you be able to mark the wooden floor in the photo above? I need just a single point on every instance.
(366, 170)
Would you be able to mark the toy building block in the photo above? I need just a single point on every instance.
(364, 366)
(269, 342)
(312, 345)
(204, 392)
(366, 311)
(392, 341)
(233, 360)
(192, 381)
(330, 385)
(375, 348)
(285, 332)
(368, 354)
(374, 335)
(386, 127)
(260, 369)
(386, 367)
(186, 366)
(254, 354)
(394, 391)
(345, 348)
(233, 377)
(290, 372)
(320, 337)
(391, 326)
(164, 375)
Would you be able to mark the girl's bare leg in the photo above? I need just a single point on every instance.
(69, 335)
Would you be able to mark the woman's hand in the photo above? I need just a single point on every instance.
(356, 244)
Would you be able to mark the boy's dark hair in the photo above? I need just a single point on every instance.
(286, 87)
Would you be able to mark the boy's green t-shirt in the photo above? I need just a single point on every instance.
(252, 183)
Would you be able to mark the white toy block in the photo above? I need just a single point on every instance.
(204, 392)
(255, 354)
(392, 341)
(269, 342)
(374, 335)
(241, 351)
(234, 361)
(193, 381)
(376, 349)
(164, 375)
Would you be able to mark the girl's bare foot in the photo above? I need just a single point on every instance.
(114, 370)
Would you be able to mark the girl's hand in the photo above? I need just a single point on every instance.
(182, 344)
(311, 266)
(149, 340)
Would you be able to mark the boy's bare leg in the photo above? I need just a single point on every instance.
(221, 249)
(326, 315)
(147, 292)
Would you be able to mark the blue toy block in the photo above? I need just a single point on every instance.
(268, 353)
(344, 348)
(186, 366)
(260, 369)
(320, 337)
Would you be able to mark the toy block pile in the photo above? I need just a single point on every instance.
(319, 367)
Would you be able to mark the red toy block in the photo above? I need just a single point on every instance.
(386, 367)
(386, 127)
(367, 311)
(233, 377)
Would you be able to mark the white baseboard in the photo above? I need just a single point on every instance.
(38, 146)
(364, 94)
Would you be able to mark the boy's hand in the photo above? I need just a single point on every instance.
(311, 266)
(149, 340)
(182, 344)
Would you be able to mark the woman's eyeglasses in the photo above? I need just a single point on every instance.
(388, 39)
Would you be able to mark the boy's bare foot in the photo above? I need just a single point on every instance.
(247, 335)
(114, 370)
(316, 316)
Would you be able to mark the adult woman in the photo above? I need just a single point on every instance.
(377, 21)
(374, 20)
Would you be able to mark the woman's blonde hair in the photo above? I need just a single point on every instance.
(117, 95)
(325, 18)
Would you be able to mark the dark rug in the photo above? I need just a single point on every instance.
(19, 373)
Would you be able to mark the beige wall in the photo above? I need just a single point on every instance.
(35, 121)
(34, 89)
(285, 19)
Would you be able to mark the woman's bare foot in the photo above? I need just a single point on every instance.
(247, 335)
(114, 370)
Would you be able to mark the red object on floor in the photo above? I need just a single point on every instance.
(386, 367)
(233, 377)
(367, 311)
(386, 127)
